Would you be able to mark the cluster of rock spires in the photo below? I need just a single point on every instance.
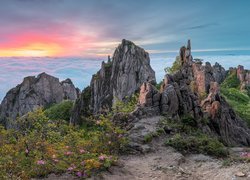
(35, 92)
(193, 90)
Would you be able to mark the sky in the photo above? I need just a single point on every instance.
(93, 28)
(70, 38)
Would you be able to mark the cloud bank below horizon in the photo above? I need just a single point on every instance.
(80, 71)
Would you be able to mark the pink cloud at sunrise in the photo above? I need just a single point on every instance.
(93, 28)
(52, 43)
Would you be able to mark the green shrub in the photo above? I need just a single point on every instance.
(149, 137)
(197, 143)
(231, 81)
(248, 90)
(175, 67)
(239, 101)
(234, 94)
(126, 106)
(158, 85)
(60, 111)
(41, 147)
(190, 139)
(188, 120)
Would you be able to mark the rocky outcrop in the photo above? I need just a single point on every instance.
(185, 53)
(117, 79)
(244, 77)
(101, 89)
(194, 90)
(149, 95)
(130, 68)
(169, 103)
(35, 92)
(219, 73)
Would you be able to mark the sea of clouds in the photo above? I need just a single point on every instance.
(80, 71)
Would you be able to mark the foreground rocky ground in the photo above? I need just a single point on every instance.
(159, 162)
(167, 164)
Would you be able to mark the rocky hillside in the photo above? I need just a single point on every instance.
(34, 92)
(194, 91)
(117, 79)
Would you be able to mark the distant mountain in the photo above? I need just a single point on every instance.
(34, 92)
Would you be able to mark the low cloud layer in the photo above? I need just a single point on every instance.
(13, 70)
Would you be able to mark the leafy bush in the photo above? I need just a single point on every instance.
(175, 67)
(235, 95)
(158, 85)
(197, 143)
(189, 138)
(188, 120)
(149, 137)
(126, 106)
(239, 101)
(42, 146)
(231, 81)
(60, 111)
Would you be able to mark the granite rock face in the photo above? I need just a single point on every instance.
(101, 89)
(149, 95)
(185, 53)
(219, 73)
(194, 90)
(130, 68)
(35, 92)
(117, 79)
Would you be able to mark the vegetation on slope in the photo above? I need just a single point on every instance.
(240, 101)
(126, 106)
(188, 138)
(175, 67)
(60, 111)
(41, 145)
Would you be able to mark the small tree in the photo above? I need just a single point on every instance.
(175, 67)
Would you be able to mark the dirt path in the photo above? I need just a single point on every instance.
(167, 164)
(164, 163)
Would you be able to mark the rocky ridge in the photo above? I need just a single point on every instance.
(35, 92)
(117, 79)
(194, 90)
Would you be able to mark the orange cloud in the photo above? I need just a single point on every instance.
(55, 43)
(33, 49)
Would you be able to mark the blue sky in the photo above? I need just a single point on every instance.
(92, 28)
(89, 30)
